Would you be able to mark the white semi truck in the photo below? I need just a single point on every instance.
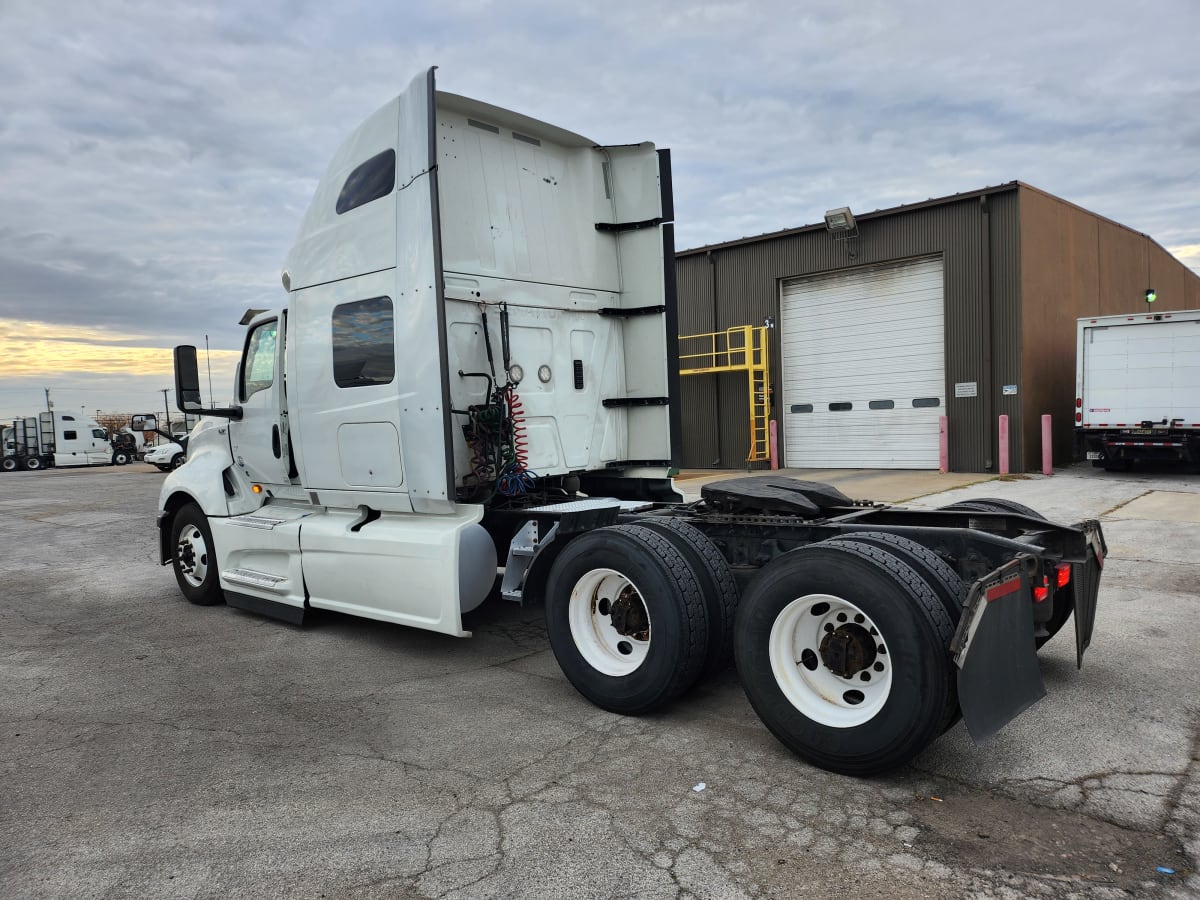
(473, 387)
(1137, 389)
(52, 439)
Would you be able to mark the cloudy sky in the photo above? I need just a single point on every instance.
(156, 158)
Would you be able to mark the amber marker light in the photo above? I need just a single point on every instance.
(256, 488)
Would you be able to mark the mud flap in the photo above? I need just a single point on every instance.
(1087, 588)
(994, 649)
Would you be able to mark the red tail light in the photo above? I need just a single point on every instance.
(1063, 572)
(1079, 403)
(1078, 417)
(1043, 591)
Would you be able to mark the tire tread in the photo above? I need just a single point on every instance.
(720, 594)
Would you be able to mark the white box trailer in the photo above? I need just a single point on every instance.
(1137, 388)
(476, 371)
(57, 439)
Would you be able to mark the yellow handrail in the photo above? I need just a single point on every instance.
(743, 348)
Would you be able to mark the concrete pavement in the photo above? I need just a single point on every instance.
(153, 748)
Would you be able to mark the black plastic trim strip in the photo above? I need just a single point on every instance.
(616, 227)
(666, 187)
(618, 312)
(620, 402)
(674, 389)
(269, 608)
(440, 288)
(638, 463)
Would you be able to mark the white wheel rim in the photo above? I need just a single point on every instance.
(591, 618)
(817, 691)
(191, 555)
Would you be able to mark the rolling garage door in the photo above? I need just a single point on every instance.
(863, 362)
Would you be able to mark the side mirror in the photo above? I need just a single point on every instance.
(187, 379)
(187, 386)
(143, 423)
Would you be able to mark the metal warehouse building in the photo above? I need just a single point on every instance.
(963, 306)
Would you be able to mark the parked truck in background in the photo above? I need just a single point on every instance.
(473, 387)
(59, 439)
(1137, 389)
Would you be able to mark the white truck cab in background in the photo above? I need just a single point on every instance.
(55, 439)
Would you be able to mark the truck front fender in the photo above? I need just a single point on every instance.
(201, 480)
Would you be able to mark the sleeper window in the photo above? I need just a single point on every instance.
(364, 343)
(373, 179)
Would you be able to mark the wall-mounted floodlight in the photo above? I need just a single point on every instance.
(840, 221)
(1151, 296)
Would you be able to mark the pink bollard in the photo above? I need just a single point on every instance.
(774, 445)
(1004, 445)
(943, 444)
(1047, 447)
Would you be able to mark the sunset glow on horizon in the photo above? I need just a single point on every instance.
(38, 349)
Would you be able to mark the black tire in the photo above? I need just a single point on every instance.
(717, 584)
(33, 463)
(9, 464)
(938, 574)
(178, 460)
(194, 557)
(995, 504)
(857, 737)
(586, 638)
(121, 458)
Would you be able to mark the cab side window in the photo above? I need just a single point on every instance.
(100, 433)
(364, 343)
(258, 366)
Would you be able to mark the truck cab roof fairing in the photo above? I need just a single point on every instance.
(332, 245)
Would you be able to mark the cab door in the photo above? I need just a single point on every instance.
(260, 440)
(99, 449)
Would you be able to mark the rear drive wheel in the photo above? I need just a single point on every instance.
(195, 558)
(717, 584)
(9, 464)
(936, 572)
(842, 650)
(33, 463)
(626, 618)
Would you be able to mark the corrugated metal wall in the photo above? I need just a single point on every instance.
(1078, 264)
(746, 278)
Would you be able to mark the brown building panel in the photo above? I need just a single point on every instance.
(1019, 266)
(700, 414)
(1075, 264)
